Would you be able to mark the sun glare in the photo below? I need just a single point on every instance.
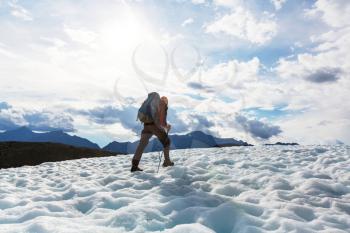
(125, 31)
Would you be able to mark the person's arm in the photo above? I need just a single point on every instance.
(162, 114)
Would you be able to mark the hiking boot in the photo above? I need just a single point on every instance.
(136, 169)
(135, 166)
(168, 163)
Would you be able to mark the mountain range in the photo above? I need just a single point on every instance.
(195, 139)
(282, 144)
(24, 134)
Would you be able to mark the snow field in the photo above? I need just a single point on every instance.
(237, 189)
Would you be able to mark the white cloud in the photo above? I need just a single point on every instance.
(331, 53)
(257, 128)
(187, 22)
(336, 13)
(228, 3)
(19, 11)
(80, 35)
(278, 3)
(197, 2)
(317, 126)
(320, 81)
(6, 52)
(50, 64)
(241, 23)
(233, 74)
(42, 120)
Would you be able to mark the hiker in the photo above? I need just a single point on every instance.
(153, 114)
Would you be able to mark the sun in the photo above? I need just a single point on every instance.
(126, 30)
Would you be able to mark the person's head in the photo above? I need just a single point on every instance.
(164, 99)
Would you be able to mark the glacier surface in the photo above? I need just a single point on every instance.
(237, 189)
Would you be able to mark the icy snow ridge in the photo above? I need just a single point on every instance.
(238, 189)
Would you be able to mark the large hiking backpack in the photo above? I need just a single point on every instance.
(148, 112)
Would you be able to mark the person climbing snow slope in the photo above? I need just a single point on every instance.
(153, 115)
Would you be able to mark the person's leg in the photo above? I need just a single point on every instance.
(165, 140)
(142, 145)
(145, 136)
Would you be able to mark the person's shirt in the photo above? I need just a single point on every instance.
(163, 111)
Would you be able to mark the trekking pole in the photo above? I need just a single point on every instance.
(160, 155)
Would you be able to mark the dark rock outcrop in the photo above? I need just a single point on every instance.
(16, 154)
(283, 144)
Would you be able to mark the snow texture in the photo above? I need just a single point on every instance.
(238, 189)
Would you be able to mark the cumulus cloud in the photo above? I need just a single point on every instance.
(328, 61)
(328, 64)
(49, 121)
(11, 118)
(81, 76)
(187, 22)
(321, 125)
(4, 105)
(202, 121)
(126, 116)
(178, 121)
(317, 68)
(241, 23)
(324, 75)
(256, 128)
(220, 80)
(335, 13)
(108, 115)
(200, 87)
(6, 123)
(197, 2)
(181, 122)
(233, 73)
(196, 85)
(184, 122)
(228, 3)
(278, 3)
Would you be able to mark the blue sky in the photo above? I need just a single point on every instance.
(261, 71)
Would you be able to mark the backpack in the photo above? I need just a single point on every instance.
(148, 112)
